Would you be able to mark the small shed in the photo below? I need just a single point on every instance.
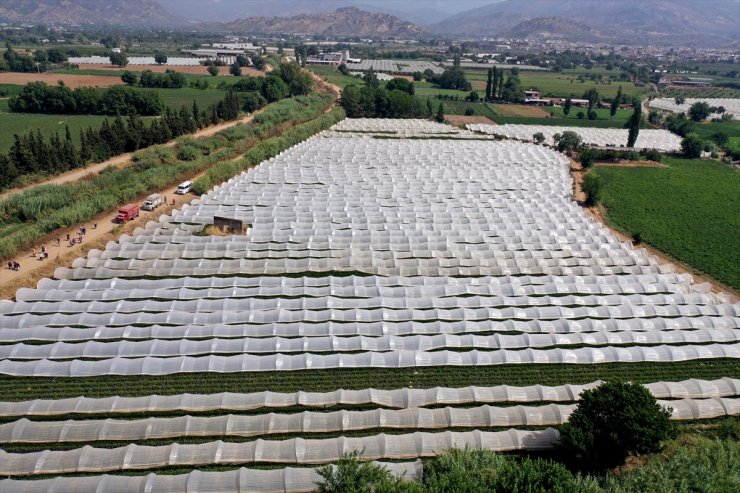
(230, 225)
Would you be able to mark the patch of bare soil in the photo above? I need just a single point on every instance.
(464, 120)
(521, 110)
(70, 80)
(185, 69)
(631, 164)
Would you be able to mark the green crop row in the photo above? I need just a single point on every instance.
(25, 388)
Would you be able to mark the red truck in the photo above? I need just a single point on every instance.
(127, 213)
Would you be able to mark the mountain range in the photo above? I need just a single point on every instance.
(683, 22)
(347, 21)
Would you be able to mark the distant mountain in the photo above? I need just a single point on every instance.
(99, 12)
(555, 27)
(348, 21)
(652, 21)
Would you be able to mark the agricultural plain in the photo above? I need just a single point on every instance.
(400, 255)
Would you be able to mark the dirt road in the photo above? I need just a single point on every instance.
(122, 160)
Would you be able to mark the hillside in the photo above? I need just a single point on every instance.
(657, 21)
(348, 21)
(99, 12)
(554, 27)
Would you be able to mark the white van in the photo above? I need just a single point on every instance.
(152, 202)
(184, 188)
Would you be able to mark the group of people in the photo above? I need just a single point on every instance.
(12, 265)
(44, 253)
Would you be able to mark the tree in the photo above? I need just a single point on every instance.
(119, 59)
(679, 101)
(473, 96)
(213, 70)
(567, 106)
(274, 88)
(259, 63)
(371, 79)
(55, 55)
(299, 82)
(616, 102)
(129, 78)
(160, 58)
(489, 84)
(401, 84)
(430, 109)
(699, 111)
(538, 138)
(343, 69)
(720, 138)
(593, 97)
(634, 124)
(692, 146)
(440, 113)
(236, 70)
(512, 90)
(614, 421)
(591, 186)
(494, 83)
(567, 141)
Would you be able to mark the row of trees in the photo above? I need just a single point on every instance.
(168, 80)
(38, 97)
(33, 154)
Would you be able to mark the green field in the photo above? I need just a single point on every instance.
(601, 113)
(690, 210)
(701, 92)
(559, 85)
(705, 130)
(22, 123)
(561, 122)
(176, 98)
(334, 76)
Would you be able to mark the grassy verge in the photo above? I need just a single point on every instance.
(25, 388)
(689, 210)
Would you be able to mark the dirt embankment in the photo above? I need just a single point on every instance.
(70, 80)
(464, 120)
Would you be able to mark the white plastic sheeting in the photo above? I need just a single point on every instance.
(661, 140)
(394, 359)
(397, 398)
(285, 480)
(334, 344)
(731, 105)
(396, 66)
(373, 329)
(291, 451)
(307, 422)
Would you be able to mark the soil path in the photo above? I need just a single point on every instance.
(122, 160)
(599, 214)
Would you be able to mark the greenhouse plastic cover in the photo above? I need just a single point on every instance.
(308, 422)
(394, 359)
(290, 451)
(397, 398)
(286, 480)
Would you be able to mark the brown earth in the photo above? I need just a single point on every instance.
(189, 69)
(521, 110)
(464, 120)
(70, 80)
(599, 214)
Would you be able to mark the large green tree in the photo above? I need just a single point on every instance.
(634, 124)
(613, 421)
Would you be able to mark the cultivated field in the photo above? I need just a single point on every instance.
(371, 262)
(696, 220)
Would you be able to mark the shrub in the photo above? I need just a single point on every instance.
(567, 141)
(591, 186)
(652, 155)
(538, 137)
(351, 475)
(612, 422)
(692, 145)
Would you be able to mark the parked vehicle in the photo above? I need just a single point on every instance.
(127, 213)
(184, 188)
(152, 202)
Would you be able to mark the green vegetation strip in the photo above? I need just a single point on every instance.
(28, 216)
(25, 388)
(689, 210)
